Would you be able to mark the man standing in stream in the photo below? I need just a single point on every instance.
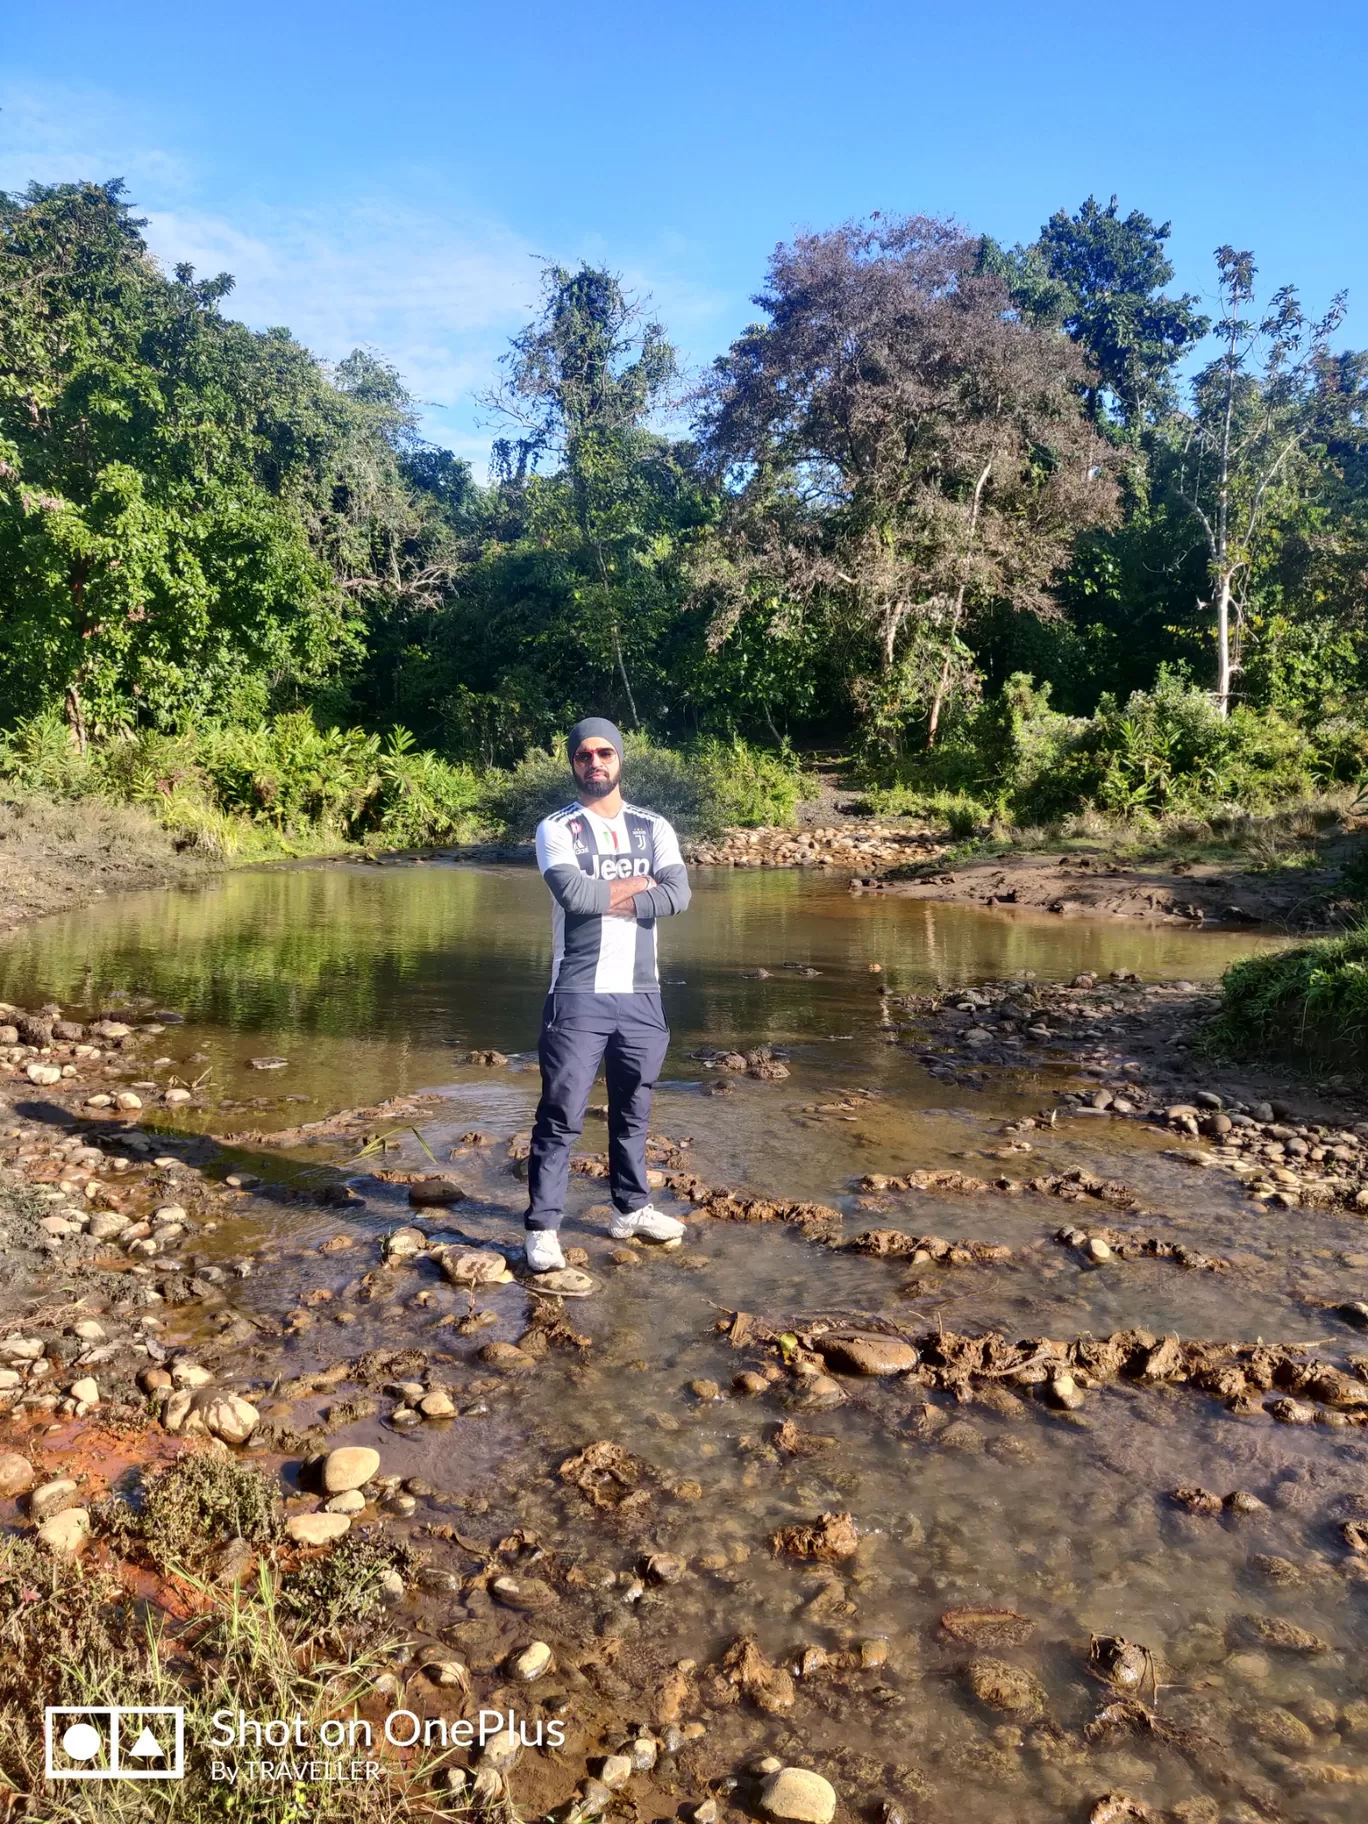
(613, 870)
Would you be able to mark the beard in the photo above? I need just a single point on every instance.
(598, 788)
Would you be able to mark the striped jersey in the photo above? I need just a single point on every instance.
(580, 854)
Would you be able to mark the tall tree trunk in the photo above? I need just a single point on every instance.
(1223, 663)
(937, 702)
(622, 673)
(75, 716)
(943, 682)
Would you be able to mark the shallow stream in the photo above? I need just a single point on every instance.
(373, 981)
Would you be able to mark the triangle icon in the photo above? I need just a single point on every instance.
(147, 1747)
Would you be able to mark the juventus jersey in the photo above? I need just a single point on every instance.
(580, 854)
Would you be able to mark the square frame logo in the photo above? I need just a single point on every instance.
(116, 1738)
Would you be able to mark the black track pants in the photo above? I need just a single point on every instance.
(628, 1035)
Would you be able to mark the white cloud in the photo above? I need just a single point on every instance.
(435, 290)
(436, 297)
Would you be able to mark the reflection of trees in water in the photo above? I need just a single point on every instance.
(323, 950)
(441, 952)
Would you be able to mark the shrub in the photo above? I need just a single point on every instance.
(1163, 751)
(748, 785)
(336, 1592)
(1311, 997)
(706, 787)
(197, 1504)
(287, 779)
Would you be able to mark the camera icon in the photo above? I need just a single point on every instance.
(114, 1742)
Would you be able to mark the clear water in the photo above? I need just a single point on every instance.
(375, 981)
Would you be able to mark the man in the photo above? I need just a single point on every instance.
(613, 871)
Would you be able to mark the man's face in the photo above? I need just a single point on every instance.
(597, 767)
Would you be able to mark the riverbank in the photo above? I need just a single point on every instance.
(1084, 883)
(56, 855)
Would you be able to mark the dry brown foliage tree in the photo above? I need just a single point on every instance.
(900, 448)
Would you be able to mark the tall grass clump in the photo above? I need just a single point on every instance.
(77, 1632)
(1312, 998)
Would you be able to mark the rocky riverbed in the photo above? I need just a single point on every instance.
(734, 1521)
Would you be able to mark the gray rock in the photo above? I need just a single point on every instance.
(350, 1466)
(52, 1498)
(66, 1534)
(317, 1529)
(16, 1475)
(798, 1796)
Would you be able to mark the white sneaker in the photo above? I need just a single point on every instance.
(645, 1224)
(543, 1251)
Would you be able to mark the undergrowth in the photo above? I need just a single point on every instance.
(1310, 998)
(290, 787)
(74, 1632)
(1015, 760)
(200, 1502)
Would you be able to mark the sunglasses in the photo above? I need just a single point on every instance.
(586, 754)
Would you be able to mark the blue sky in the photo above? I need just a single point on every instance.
(390, 174)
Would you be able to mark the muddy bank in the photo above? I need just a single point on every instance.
(55, 856)
(1098, 886)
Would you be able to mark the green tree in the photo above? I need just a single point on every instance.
(601, 529)
(1110, 271)
(901, 450)
(1259, 412)
(160, 467)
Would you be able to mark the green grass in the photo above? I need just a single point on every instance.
(73, 1632)
(1311, 999)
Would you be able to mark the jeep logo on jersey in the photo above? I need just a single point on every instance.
(609, 867)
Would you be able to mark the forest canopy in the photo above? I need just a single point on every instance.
(930, 467)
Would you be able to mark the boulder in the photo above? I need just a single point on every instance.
(501, 1750)
(873, 1355)
(317, 1529)
(16, 1475)
(798, 1795)
(52, 1498)
(474, 1267)
(21, 1349)
(350, 1501)
(350, 1466)
(565, 1282)
(434, 1191)
(230, 1417)
(66, 1534)
(403, 1244)
(532, 1662)
(44, 1074)
(616, 1771)
(86, 1390)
